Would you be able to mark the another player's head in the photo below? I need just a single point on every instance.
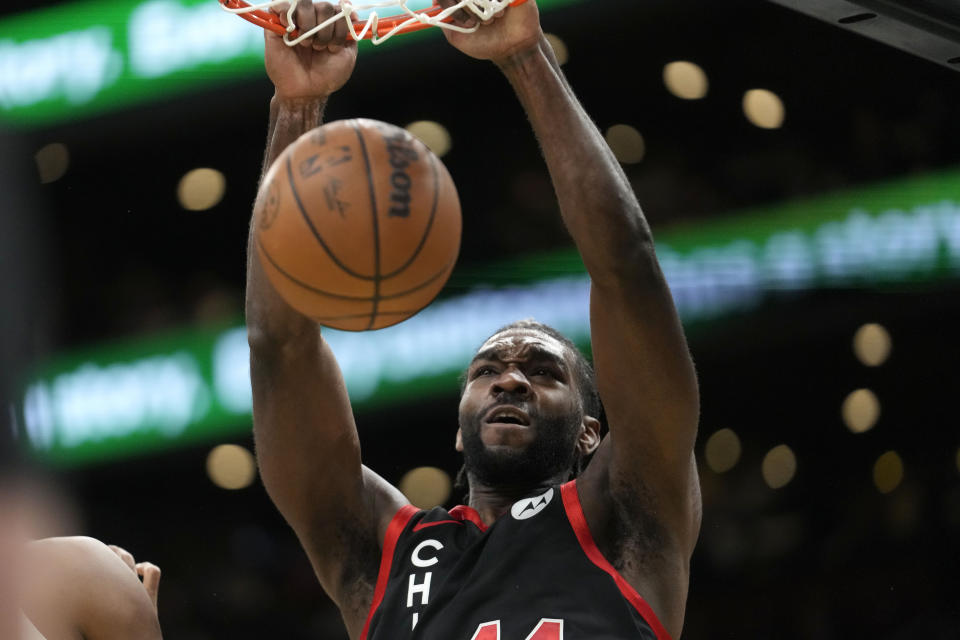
(529, 410)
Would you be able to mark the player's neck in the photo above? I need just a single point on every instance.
(491, 502)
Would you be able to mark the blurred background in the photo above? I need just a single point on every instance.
(803, 183)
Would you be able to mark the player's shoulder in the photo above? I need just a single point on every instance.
(63, 569)
(67, 547)
(65, 555)
(78, 560)
(73, 555)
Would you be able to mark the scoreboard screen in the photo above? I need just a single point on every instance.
(192, 386)
(78, 59)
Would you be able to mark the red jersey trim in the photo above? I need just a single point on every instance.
(424, 525)
(571, 504)
(469, 514)
(394, 529)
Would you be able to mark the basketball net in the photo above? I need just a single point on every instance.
(375, 28)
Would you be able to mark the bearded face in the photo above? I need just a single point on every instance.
(548, 449)
(520, 413)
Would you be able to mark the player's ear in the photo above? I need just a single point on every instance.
(589, 438)
(459, 443)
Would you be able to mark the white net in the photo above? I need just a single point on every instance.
(409, 14)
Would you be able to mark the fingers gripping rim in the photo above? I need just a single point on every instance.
(377, 29)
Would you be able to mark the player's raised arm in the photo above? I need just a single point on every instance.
(307, 444)
(643, 477)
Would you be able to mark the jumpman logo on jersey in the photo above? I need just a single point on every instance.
(529, 507)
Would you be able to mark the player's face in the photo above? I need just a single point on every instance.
(520, 413)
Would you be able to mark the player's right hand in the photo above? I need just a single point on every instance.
(316, 67)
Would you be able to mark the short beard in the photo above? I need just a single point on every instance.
(553, 453)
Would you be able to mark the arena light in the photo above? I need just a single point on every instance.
(764, 109)
(433, 134)
(686, 80)
(779, 466)
(722, 451)
(861, 410)
(193, 386)
(888, 472)
(626, 143)
(426, 487)
(872, 344)
(52, 160)
(559, 47)
(231, 466)
(201, 189)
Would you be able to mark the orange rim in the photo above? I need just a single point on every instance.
(271, 21)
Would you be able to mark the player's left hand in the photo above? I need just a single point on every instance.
(514, 31)
(148, 572)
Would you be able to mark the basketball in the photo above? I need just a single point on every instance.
(358, 225)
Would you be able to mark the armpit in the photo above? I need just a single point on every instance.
(638, 537)
(361, 563)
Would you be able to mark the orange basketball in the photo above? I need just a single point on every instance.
(358, 225)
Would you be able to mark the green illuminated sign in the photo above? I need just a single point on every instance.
(73, 60)
(194, 386)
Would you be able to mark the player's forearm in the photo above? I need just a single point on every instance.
(596, 201)
(307, 445)
(290, 119)
(269, 319)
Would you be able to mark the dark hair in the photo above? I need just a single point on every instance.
(586, 385)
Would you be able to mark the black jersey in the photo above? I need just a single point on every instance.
(534, 574)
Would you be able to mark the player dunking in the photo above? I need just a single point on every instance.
(534, 555)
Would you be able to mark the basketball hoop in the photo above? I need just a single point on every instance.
(375, 28)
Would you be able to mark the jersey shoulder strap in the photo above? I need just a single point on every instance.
(394, 529)
(574, 511)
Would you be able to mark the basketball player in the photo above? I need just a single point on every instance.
(64, 588)
(534, 555)
(78, 587)
(67, 588)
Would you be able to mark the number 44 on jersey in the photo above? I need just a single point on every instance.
(546, 629)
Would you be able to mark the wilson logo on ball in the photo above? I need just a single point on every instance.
(358, 225)
(401, 155)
